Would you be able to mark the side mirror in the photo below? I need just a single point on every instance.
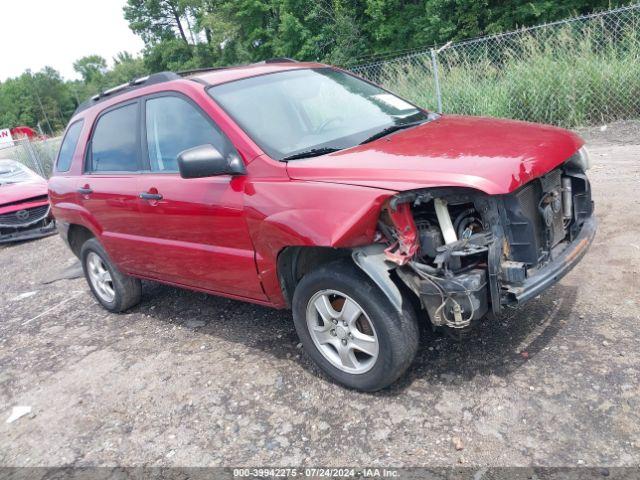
(207, 161)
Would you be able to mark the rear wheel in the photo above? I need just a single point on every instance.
(114, 290)
(350, 328)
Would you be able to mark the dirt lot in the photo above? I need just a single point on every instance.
(192, 380)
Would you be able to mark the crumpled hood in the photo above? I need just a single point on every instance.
(492, 155)
(14, 192)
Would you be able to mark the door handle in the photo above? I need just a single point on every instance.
(150, 196)
(85, 190)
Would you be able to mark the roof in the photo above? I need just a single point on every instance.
(223, 75)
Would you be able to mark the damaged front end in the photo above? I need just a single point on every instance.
(26, 220)
(465, 253)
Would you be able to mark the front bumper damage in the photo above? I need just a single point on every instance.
(29, 234)
(19, 226)
(552, 272)
(500, 250)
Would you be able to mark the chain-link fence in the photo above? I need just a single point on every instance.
(580, 71)
(38, 155)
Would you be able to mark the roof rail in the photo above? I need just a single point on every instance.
(184, 73)
(126, 87)
(280, 60)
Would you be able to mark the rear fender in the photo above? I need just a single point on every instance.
(72, 213)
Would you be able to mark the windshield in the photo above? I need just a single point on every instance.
(311, 111)
(14, 172)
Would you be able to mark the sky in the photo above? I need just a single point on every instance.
(37, 33)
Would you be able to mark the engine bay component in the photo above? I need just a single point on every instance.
(567, 199)
(513, 272)
(467, 223)
(550, 208)
(448, 269)
(406, 245)
(450, 301)
(444, 219)
(463, 252)
(448, 257)
(430, 239)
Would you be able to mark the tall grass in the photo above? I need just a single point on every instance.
(571, 76)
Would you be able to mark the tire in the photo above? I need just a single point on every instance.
(124, 291)
(342, 284)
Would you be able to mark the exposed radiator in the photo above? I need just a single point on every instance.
(526, 229)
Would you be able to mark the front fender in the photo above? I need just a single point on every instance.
(285, 214)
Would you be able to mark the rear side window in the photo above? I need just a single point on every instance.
(173, 125)
(114, 146)
(68, 147)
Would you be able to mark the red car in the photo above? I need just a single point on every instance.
(24, 204)
(25, 132)
(298, 185)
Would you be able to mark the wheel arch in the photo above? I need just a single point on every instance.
(77, 236)
(295, 262)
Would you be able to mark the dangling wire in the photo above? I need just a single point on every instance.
(444, 296)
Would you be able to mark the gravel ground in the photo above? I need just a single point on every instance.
(187, 379)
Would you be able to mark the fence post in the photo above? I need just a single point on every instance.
(436, 79)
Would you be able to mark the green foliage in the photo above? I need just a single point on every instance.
(36, 99)
(157, 20)
(90, 68)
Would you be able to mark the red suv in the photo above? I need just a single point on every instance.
(299, 185)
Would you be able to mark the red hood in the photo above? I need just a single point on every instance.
(492, 155)
(14, 192)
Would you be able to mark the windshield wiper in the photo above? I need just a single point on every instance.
(390, 129)
(312, 152)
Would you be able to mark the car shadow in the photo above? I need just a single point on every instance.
(493, 347)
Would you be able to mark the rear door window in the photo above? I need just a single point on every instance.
(114, 145)
(173, 125)
(68, 147)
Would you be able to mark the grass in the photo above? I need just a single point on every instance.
(571, 76)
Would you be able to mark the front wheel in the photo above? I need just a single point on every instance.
(351, 329)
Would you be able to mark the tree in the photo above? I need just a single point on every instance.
(126, 67)
(32, 99)
(157, 20)
(398, 24)
(169, 54)
(91, 68)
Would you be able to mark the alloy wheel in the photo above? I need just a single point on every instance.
(100, 277)
(342, 331)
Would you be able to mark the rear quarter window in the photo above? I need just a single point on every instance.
(114, 144)
(68, 147)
